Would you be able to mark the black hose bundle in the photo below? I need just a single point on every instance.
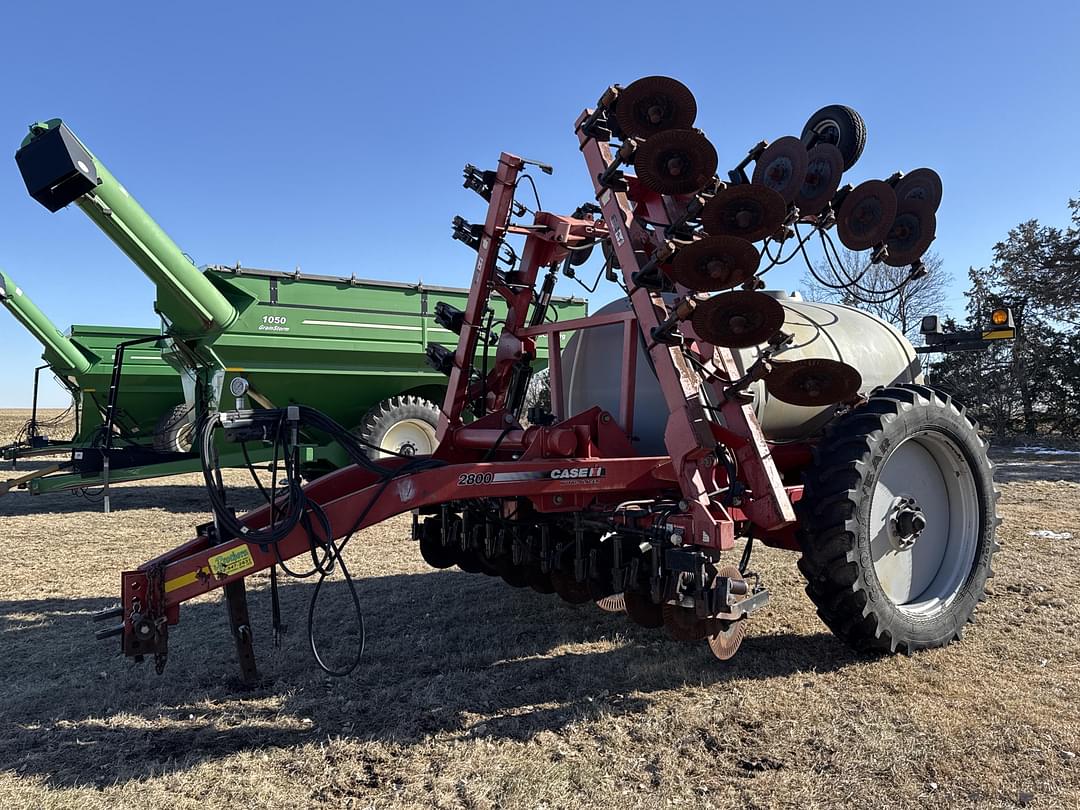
(288, 502)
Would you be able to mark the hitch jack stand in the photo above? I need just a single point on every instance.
(236, 604)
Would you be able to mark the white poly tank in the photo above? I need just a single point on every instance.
(591, 367)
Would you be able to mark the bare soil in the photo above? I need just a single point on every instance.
(473, 694)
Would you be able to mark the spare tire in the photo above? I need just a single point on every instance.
(841, 126)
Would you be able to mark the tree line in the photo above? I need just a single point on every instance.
(1029, 386)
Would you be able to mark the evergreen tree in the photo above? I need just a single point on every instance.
(1030, 385)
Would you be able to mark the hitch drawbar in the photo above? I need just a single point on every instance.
(145, 619)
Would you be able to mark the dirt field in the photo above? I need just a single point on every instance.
(473, 694)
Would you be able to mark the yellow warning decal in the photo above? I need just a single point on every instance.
(230, 562)
(999, 334)
(190, 578)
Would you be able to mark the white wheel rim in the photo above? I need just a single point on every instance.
(185, 437)
(923, 579)
(410, 437)
(823, 128)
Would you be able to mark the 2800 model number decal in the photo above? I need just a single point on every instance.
(474, 479)
(567, 475)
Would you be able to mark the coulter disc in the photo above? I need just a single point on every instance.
(920, 184)
(813, 382)
(727, 637)
(748, 211)
(866, 215)
(911, 233)
(738, 319)
(469, 561)
(569, 589)
(782, 167)
(538, 580)
(683, 624)
(824, 168)
(676, 161)
(433, 551)
(642, 610)
(653, 104)
(516, 576)
(612, 604)
(714, 263)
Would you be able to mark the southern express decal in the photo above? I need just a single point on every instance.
(571, 475)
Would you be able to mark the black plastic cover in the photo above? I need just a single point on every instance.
(56, 168)
(439, 358)
(449, 317)
(931, 325)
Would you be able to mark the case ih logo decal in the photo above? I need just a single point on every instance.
(570, 475)
(578, 473)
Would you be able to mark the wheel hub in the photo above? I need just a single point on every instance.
(906, 523)
(410, 437)
(828, 132)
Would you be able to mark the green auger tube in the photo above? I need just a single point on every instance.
(60, 352)
(58, 170)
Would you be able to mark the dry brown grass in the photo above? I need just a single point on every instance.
(477, 695)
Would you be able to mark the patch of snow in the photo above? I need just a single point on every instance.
(1045, 451)
(1046, 534)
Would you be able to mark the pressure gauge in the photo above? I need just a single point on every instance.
(238, 386)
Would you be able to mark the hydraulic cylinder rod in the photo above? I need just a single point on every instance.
(60, 352)
(58, 170)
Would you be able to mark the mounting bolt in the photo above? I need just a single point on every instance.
(709, 461)
(684, 506)
(605, 418)
(906, 523)
(558, 499)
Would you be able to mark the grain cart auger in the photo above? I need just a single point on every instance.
(84, 362)
(680, 422)
(351, 347)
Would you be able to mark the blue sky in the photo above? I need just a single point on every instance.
(332, 136)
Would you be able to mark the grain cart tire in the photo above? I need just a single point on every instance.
(897, 522)
(842, 127)
(403, 424)
(174, 432)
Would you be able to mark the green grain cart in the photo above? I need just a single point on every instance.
(83, 362)
(352, 348)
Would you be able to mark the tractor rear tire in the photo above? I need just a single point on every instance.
(175, 430)
(403, 424)
(897, 522)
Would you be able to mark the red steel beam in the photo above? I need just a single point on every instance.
(769, 505)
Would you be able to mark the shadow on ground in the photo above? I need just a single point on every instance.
(1011, 466)
(445, 651)
(177, 498)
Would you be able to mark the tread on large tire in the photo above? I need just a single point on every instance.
(175, 430)
(848, 536)
(392, 419)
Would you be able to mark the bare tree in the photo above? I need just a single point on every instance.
(880, 288)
